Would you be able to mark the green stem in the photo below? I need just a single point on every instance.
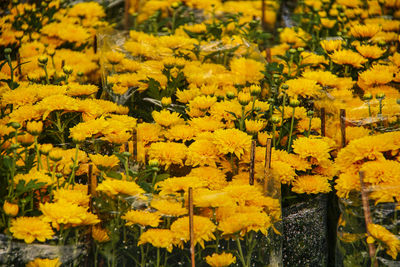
(309, 127)
(158, 257)
(74, 166)
(273, 135)
(241, 257)
(291, 131)
(39, 160)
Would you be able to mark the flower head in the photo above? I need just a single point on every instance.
(159, 238)
(220, 260)
(348, 57)
(44, 263)
(311, 184)
(232, 141)
(144, 218)
(30, 229)
(112, 186)
(390, 241)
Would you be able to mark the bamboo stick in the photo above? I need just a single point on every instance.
(252, 160)
(192, 252)
(323, 122)
(343, 126)
(267, 168)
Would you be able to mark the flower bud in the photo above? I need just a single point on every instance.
(10, 208)
(43, 59)
(34, 127)
(255, 90)
(67, 70)
(7, 51)
(15, 125)
(292, 51)
(166, 101)
(153, 163)
(244, 98)
(310, 113)
(230, 95)
(380, 96)
(294, 103)
(285, 86)
(275, 119)
(367, 96)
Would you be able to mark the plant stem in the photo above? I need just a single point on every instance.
(241, 257)
(291, 130)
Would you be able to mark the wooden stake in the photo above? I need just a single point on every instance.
(367, 216)
(267, 167)
(191, 226)
(126, 14)
(343, 126)
(252, 160)
(268, 56)
(95, 44)
(92, 185)
(323, 122)
(263, 14)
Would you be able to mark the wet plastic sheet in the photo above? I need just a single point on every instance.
(14, 253)
(305, 233)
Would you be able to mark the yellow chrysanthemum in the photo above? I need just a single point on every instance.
(44, 263)
(104, 161)
(364, 31)
(179, 184)
(202, 153)
(390, 241)
(245, 222)
(331, 45)
(370, 51)
(159, 238)
(302, 87)
(144, 218)
(30, 229)
(166, 118)
(203, 229)
(311, 184)
(167, 207)
(78, 197)
(112, 186)
(246, 70)
(232, 141)
(220, 260)
(314, 149)
(254, 126)
(168, 153)
(215, 178)
(382, 171)
(180, 132)
(202, 102)
(348, 57)
(100, 235)
(66, 213)
(206, 123)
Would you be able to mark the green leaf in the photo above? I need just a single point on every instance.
(114, 175)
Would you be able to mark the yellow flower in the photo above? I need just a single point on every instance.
(202, 152)
(244, 98)
(44, 263)
(389, 240)
(34, 127)
(364, 31)
(206, 123)
(314, 149)
(119, 89)
(348, 57)
(30, 229)
(246, 70)
(104, 162)
(148, 132)
(168, 153)
(159, 238)
(39, 176)
(205, 198)
(220, 260)
(74, 196)
(144, 218)
(293, 37)
(68, 214)
(202, 102)
(311, 184)
(244, 222)
(331, 45)
(370, 51)
(10, 208)
(203, 229)
(166, 118)
(180, 132)
(179, 184)
(375, 76)
(254, 126)
(324, 78)
(184, 96)
(381, 171)
(114, 57)
(313, 59)
(302, 87)
(346, 183)
(232, 141)
(100, 235)
(112, 186)
(166, 207)
(214, 177)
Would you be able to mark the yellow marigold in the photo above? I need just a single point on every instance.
(30, 229)
(220, 110)
(148, 132)
(215, 178)
(246, 70)
(311, 184)
(100, 235)
(119, 89)
(293, 37)
(88, 10)
(180, 132)
(10, 209)
(324, 78)
(283, 171)
(206, 123)
(34, 127)
(166, 207)
(315, 149)
(105, 161)
(328, 23)
(184, 96)
(159, 238)
(205, 198)
(77, 197)
(44, 263)
(245, 222)
(390, 241)
(202, 153)
(373, 77)
(220, 260)
(313, 59)
(364, 31)
(348, 57)
(293, 160)
(370, 51)
(346, 183)
(302, 87)
(39, 176)
(166, 118)
(331, 45)
(369, 147)
(144, 218)
(254, 126)
(202, 102)
(68, 214)
(114, 57)
(168, 153)
(112, 186)
(381, 171)
(232, 141)
(203, 229)
(179, 184)
(76, 89)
